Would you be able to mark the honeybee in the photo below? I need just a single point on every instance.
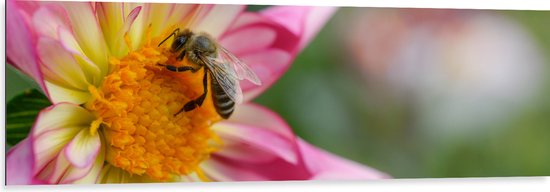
(203, 51)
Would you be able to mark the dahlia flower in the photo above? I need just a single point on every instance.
(112, 118)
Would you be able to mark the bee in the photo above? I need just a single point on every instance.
(223, 69)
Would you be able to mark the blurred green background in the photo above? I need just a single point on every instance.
(328, 102)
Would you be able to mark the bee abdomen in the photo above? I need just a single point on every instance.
(223, 104)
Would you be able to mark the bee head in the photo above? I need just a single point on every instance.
(180, 40)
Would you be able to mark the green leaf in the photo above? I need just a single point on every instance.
(21, 114)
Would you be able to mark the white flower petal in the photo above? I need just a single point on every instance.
(88, 33)
(62, 94)
(84, 176)
(218, 19)
(54, 128)
(60, 66)
(83, 149)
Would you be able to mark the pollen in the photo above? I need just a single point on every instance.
(137, 105)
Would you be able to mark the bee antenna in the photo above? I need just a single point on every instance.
(176, 31)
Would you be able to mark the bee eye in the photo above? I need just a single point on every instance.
(179, 42)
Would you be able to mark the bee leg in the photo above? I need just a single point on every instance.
(180, 57)
(179, 69)
(198, 101)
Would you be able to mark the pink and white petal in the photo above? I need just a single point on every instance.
(255, 137)
(326, 166)
(302, 21)
(269, 65)
(254, 115)
(83, 149)
(20, 164)
(225, 169)
(218, 19)
(180, 12)
(54, 127)
(53, 171)
(250, 122)
(119, 47)
(69, 43)
(245, 152)
(115, 22)
(48, 145)
(73, 173)
(157, 15)
(20, 49)
(59, 94)
(85, 175)
(240, 43)
(61, 115)
(138, 29)
(110, 17)
(29, 7)
(294, 28)
(87, 31)
(62, 67)
(218, 170)
(48, 18)
(162, 18)
(269, 54)
(192, 177)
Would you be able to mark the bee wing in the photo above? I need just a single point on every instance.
(241, 69)
(226, 77)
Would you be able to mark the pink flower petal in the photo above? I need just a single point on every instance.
(48, 18)
(255, 137)
(29, 7)
(240, 42)
(219, 170)
(20, 48)
(86, 175)
(83, 149)
(54, 170)
(326, 166)
(279, 34)
(269, 65)
(74, 173)
(303, 21)
(48, 145)
(54, 127)
(20, 164)
(259, 144)
(245, 152)
(60, 66)
(225, 169)
(247, 130)
(255, 115)
(92, 175)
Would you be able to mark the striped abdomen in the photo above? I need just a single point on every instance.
(223, 104)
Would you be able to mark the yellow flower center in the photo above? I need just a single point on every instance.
(136, 105)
